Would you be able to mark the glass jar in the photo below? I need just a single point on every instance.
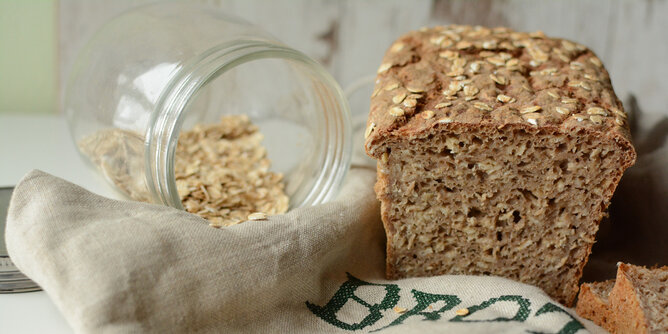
(157, 70)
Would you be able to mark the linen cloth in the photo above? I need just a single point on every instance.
(127, 267)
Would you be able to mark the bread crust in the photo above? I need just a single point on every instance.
(626, 305)
(593, 304)
(541, 68)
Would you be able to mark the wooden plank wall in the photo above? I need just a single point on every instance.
(350, 36)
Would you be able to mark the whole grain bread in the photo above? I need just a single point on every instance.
(639, 299)
(635, 302)
(593, 303)
(498, 153)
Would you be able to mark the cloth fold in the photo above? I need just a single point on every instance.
(124, 267)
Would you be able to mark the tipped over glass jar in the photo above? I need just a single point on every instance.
(185, 106)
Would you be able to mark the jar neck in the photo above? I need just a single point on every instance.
(168, 116)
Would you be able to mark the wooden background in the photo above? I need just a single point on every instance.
(350, 36)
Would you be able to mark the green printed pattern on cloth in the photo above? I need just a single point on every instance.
(347, 292)
(424, 300)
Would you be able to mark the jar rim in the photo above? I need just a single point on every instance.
(167, 118)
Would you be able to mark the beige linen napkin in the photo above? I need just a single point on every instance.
(126, 267)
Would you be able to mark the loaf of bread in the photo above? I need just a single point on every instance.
(635, 302)
(498, 153)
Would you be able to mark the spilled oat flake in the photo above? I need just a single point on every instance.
(221, 170)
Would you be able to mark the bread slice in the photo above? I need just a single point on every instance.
(498, 153)
(639, 299)
(635, 302)
(593, 303)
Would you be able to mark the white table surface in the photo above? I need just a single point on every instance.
(39, 142)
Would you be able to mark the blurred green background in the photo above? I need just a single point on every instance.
(28, 56)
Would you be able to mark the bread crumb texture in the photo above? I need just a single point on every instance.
(519, 145)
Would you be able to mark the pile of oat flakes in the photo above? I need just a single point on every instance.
(222, 173)
(221, 170)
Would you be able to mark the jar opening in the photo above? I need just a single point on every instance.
(298, 107)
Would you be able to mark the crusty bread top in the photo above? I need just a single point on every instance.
(475, 76)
